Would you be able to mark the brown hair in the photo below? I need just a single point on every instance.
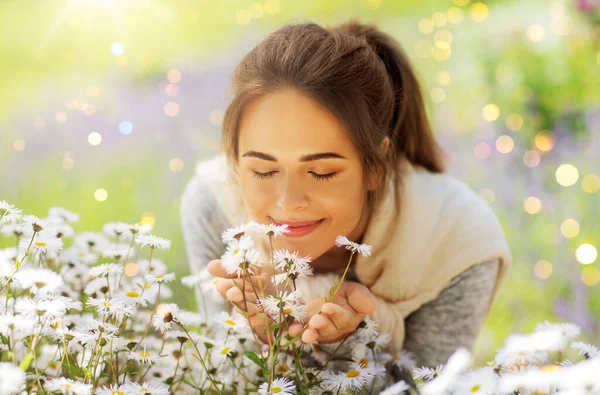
(357, 72)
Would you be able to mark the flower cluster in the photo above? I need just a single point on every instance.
(79, 314)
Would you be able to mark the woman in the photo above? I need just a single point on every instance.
(327, 132)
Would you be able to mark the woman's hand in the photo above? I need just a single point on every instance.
(227, 287)
(332, 321)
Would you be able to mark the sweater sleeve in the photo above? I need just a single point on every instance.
(454, 318)
(202, 224)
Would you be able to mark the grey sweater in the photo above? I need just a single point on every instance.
(433, 332)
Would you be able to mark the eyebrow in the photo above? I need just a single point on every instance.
(304, 158)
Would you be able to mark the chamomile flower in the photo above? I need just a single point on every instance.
(113, 389)
(119, 252)
(363, 249)
(565, 332)
(91, 241)
(12, 378)
(67, 386)
(145, 389)
(367, 329)
(140, 229)
(354, 379)
(153, 241)
(483, 381)
(105, 269)
(426, 373)
(403, 360)
(159, 279)
(16, 326)
(165, 315)
(143, 356)
(272, 229)
(112, 307)
(63, 214)
(284, 304)
(228, 322)
(396, 388)
(17, 230)
(587, 350)
(280, 386)
(240, 257)
(284, 259)
(8, 213)
(221, 351)
(237, 232)
(45, 243)
(38, 280)
(117, 230)
(133, 297)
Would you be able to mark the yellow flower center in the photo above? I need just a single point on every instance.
(117, 393)
(353, 373)
(550, 368)
(230, 322)
(105, 304)
(364, 363)
(40, 244)
(225, 351)
(236, 251)
(143, 389)
(107, 269)
(287, 310)
(144, 354)
(276, 389)
(159, 277)
(67, 384)
(475, 388)
(82, 254)
(147, 286)
(132, 294)
(396, 357)
(282, 368)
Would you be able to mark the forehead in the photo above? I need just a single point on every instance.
(289, 124)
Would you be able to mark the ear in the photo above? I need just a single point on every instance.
(376, 179)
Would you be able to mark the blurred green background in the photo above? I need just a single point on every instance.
(106, 107)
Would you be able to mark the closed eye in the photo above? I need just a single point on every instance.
(320, 177)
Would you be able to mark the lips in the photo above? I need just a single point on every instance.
(295, 224)
(299, 228)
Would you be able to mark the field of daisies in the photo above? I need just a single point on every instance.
(90, 313)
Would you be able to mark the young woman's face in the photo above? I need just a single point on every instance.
(297, 164)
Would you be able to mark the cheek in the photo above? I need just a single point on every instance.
(256, 197)
(343, 205)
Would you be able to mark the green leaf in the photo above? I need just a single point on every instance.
(26, 361)
(274, 326)
(331, 291)
(256, 359)
(4, 339)
(74, 370)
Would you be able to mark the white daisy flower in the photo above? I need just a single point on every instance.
(119, 252)
(67, 386)
(396, 389)
(403, 360)
(152, 241)
(63, 214)
(35, 224)
(426, 373)
(159, 279)
(117, 229)
(91, 241)
(165, 314)
(12, 378)
(286, 303)
(145, 389)
(354, 379)
(144, 356)
(38, 280)
(61, 230)
(587, 350)
(229, 322)
(363, 249)
(566, 331)
(483, 381)
(8, 213)
(236, 249)
(134, 297)
(221, 351)
(237, 232)
(112, 307)
(113, 389)
(17, 326)
(280, 386)
(272, 229)
(105, 269)
(284, 259)
(45, 243)
(457, 363)
(367, 329)
(17, 229)
(140, 229)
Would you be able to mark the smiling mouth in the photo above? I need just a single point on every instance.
(299, 228)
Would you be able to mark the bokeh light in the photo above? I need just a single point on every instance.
(545, 140)
(535, 33)
(131, 269)
(148, 218)
(542, 270)
(117, 49)
(455, 15)
(439, 19)
(100, 194)
(532, 205)
(514, 122)
(479, 12)
(438, 95)
(482, 150)
(590, 275)
(19, 145)
(176, 165)
(490, 112)
(505, 144)
(94, 138)
(586, 254)
(425, 26)
(531, 158)
(567, 175)
(590, 183)
(461, 3)
(60, 117)
(173, 76)
(171, 109)
(441, 51)
(68, 162)
(569, 228)
(443, 78)
(488, 195)
(125, 127)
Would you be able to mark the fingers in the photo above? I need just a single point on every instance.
(338, 316)
(295, 329)
(310, 336)
(360, 298)
(224, 285)
(214, 267)
(234, 294)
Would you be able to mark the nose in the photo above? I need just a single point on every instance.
(292, 196)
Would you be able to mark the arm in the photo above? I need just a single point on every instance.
(202, 225)
(453, 319)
